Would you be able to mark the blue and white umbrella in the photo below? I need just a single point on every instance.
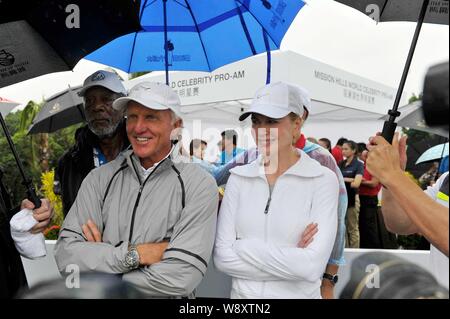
(200, 35)
(433, 154)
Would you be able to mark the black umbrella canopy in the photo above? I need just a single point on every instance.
(401, 10)
(59, 111)
(420, 11)
(45, 36)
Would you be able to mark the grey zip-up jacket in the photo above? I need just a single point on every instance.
(177, 202)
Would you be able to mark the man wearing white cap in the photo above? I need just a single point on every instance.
(146, 215)
(99, 142)
(270, 203)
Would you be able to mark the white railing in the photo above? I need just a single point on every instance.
(216, 284)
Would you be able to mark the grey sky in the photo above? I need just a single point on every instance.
(325, 31)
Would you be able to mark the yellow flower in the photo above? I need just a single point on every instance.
(47, 180)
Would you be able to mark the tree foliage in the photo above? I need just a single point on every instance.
(138, 74)
(39, 153)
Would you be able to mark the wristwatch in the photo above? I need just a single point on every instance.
(131, 260)
(333, 278)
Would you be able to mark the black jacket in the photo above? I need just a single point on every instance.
(76, 164)
(12, 275)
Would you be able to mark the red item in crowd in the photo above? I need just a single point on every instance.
(368, 191)
(301, 142)
(337, 154)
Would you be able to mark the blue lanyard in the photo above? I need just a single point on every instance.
(99, 158)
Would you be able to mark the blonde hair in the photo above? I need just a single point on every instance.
(294, 117)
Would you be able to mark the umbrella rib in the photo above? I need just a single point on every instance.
(198, 32)
(176, 1)
(382, 10)
(259, 22)
(244, 26)
(132, 51)
(135, 36)
(147, 5)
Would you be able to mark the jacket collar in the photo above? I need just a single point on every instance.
(305, 167)
(134, 163)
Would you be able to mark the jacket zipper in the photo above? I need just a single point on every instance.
(134, 212)
(266, 222)
(136, 204)
(266, 211)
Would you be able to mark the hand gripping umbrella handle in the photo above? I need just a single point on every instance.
(389, 131)
(32, 196)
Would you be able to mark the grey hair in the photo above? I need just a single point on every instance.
(176, 118)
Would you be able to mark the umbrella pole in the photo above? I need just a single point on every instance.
(166, 44)
(31, 192)
(269, 57)
(390, 126)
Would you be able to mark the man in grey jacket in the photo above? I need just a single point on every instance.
(147, 215)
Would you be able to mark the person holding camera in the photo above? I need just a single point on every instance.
(406, 208)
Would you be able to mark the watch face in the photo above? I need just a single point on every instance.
(132, 259)
(332, 278)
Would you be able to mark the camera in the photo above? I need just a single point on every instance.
(435, 96)
(88, 286)
(383, 275)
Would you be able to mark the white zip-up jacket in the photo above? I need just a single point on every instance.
(258, 233)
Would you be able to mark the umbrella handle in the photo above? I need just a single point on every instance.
(32, 196)
(390, 126)
(389, 131)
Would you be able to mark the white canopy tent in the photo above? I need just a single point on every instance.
(343, 104)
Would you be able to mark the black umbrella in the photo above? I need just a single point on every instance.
(435, 11)
(59, 111)
(45, 36)
(412, 117)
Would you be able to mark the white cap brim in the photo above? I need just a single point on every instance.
(266, 110)
(121, 103)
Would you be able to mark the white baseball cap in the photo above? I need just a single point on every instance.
(277, 100)
(156, 96)
(106, 79)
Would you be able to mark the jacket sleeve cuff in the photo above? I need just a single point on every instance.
(189, 257)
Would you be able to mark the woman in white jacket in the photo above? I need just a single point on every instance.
(269, 204)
